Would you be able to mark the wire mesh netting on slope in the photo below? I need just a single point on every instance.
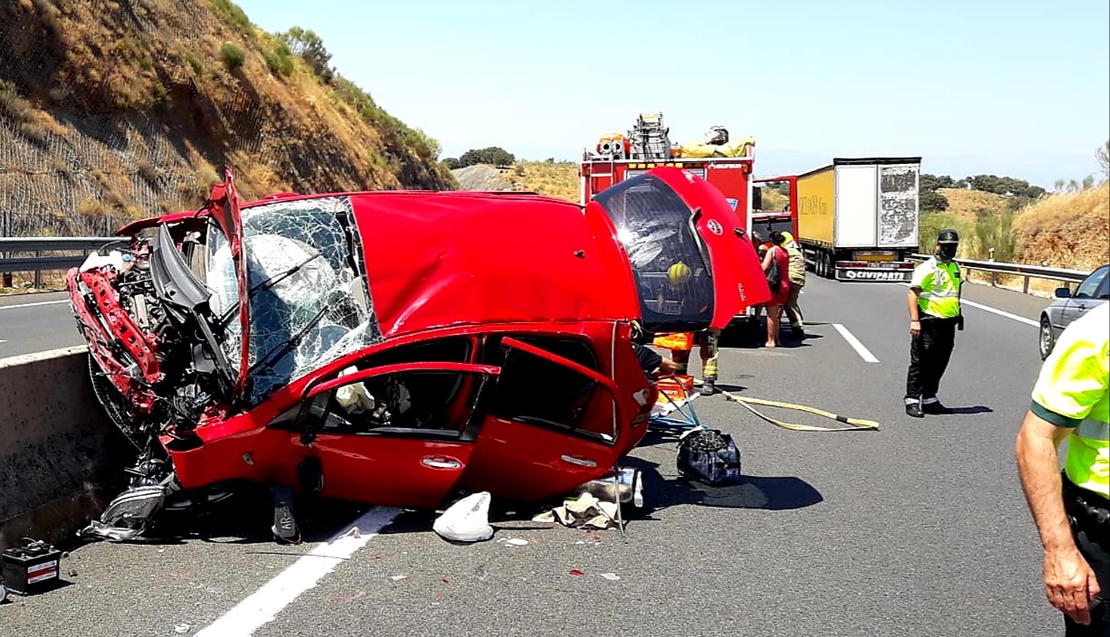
(114, 111)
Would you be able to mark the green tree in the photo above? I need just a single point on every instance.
(309, 46)
(494, 155)
(232, 55)
(933, 201)
(927, 194)
(934, 182)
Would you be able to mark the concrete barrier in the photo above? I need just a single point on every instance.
(60, 455)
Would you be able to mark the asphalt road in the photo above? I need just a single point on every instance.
(916, 529)
(36, 322)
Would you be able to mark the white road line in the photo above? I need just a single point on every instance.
(265, 603)
(993, 310)
(1020, 319)
(863, 352)
(12, 307)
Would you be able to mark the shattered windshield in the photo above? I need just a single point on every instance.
(309, 299)
(672, 277)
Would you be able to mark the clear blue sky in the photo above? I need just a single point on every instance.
(1017, 87)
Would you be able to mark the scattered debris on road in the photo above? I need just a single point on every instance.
(467, 520)
(586, 510)
(32, 568)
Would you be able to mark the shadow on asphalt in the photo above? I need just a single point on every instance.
(749, 337)
(977, 409)
(755, 492)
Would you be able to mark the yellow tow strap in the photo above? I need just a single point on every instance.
(855, 424)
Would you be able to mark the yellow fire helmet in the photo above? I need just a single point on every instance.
(679, 274)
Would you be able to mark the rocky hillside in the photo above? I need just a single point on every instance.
(550, 178)
(486, 177)
(111, 109)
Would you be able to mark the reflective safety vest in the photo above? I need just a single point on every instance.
(679, 340)
(1073, 391)
(797, 266)
(940, 288)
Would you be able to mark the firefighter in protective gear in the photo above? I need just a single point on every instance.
(797, 282)
(1071, 509)
(935, 313)
(682, 343)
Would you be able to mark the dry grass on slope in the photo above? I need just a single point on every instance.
(967, 204)
(1067, 230)
(553, 179)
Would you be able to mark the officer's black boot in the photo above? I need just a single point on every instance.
(914, 409)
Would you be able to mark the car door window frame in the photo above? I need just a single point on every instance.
(325, 392)
(1094, 281)
(609, 389)
(1103, 291)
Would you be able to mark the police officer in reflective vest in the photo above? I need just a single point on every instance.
(1071, 400)
(935, 313)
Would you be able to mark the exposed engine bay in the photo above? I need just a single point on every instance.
(163, 367)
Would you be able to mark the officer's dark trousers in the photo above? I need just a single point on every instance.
(1089, 516)
(929, 354)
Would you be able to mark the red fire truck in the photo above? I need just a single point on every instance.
(723, 163)
(767, 221)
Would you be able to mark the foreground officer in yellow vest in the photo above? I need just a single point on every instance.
(934, 303)
(1071, 400)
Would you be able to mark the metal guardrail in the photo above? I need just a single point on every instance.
(39, 263)
(1018, 269)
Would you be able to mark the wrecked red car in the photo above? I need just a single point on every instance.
(398, 347)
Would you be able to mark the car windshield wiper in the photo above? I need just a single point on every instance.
(225, 318)
(273, 356)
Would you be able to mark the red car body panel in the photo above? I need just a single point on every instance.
(498, 271)
(223, 206)
(453, 259)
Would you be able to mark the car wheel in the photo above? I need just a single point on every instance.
(1047, 338)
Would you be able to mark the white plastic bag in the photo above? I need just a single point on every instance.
(466, 520)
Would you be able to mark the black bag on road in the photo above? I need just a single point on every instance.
(709, 456)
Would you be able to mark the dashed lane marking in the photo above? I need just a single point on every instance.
(863, 352)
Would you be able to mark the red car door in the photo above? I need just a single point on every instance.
(395, 435)
(551, 423)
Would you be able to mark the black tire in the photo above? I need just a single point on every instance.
(1046, 338)
(113, 401)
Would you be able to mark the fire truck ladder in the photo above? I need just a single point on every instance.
(649, 139)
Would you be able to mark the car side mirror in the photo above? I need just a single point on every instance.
(1063, 293)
